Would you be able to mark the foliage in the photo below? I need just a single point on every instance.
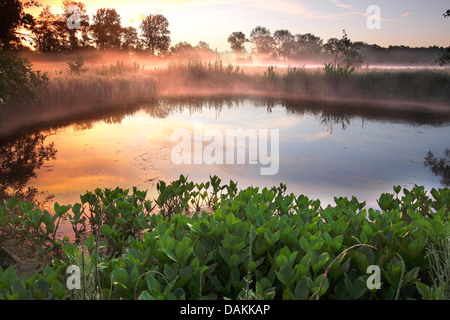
(263, 42)
(155, 33)
(237, 41)
(439, 258)
(254, 244)
(51, 31)
(444, 55)
(76, 65)
(338, 71)
(13, 17)
(343, 51)
(106, 28)
(19, 84)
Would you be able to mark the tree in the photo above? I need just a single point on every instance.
(12, 18)
(343, 51)
(263, 42)
(106, 28)
(285, 45)
(76, 36)
(130, 39)
(155, 34)
(182, 49)
(204, 47)
(19, 84)
(237, 41)
(45, 32)
(444, 55)
(308, 45)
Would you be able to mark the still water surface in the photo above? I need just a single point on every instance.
(323, 151)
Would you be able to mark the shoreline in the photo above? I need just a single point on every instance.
(37, 118)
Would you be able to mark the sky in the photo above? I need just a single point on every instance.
(416, 23)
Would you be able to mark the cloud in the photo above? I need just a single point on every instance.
(284, 6)
(406, 14)
(342, 5)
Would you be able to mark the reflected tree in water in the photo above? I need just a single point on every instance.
(330, 119)
(19, 161)
(439, 167)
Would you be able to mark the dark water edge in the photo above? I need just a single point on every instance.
(15, 122)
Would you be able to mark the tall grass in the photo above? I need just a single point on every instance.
(439, 259)
(106, 85)
(346, 82)
(97, 90)
(80, 90)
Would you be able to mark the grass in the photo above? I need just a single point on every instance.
(346, 82)
(439, 259)
(106, 85)
(79, 89)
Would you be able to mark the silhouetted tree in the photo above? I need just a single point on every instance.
(308, 45)
(237, 41)
(46, 31)
(444, 55)
(155, 34)
(343, 51)
(76, 36)
(19, 84)
(12, 18)
(130, 39)
(263, 42)
(439, 167)
(106, 28)
(285, 44)
(203, 46)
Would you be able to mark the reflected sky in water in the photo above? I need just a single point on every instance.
(323, 153)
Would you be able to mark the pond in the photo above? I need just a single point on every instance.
(324, 150)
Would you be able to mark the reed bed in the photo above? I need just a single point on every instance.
(397, 85)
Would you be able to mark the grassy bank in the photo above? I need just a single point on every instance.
(214, 241)
(409, 86)
(86, 88)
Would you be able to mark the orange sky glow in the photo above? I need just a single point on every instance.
(404, 22)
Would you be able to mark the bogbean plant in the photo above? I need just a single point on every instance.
(214, 241)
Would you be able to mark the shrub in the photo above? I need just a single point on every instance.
(255, 244)
(19, 84)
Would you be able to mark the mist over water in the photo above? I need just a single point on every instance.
(323, 153)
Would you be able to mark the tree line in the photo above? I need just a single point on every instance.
(51, 32)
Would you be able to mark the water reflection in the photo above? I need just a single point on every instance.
(439, 167)
(20, 160)
(326, 149)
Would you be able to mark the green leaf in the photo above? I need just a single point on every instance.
(286, 275)
(415, 247)
(301, 290)
(169, 253)
(58, 289)
(146, 296)
(171, 272)
(106, 230)
(424, 290)
(119, 277)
